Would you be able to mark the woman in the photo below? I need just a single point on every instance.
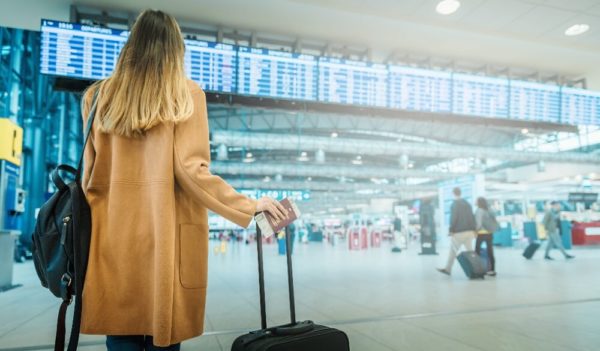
(147, 180)
(486, 225)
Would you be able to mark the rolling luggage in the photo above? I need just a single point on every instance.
(295, 336)
(472, 264)
(530, 250)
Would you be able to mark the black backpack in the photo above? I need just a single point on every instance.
(61, 243)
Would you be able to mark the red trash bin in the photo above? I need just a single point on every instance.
(353, 239)
(364, 238)
(375, 238)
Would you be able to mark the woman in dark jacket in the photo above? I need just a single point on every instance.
(486, 226)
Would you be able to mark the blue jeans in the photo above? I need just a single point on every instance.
(135, 343)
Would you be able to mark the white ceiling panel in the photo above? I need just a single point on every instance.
(495, 14)
(539, 21)
(594, 10)
(573, 5)
(382, 8)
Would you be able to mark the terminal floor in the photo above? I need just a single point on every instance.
(384, 301)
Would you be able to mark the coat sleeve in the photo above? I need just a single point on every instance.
(191, 162)
(546, 221)
(453, 217)
(89, 153)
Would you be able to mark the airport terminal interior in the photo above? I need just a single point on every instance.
(369, 116)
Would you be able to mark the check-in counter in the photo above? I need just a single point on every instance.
(586, 233)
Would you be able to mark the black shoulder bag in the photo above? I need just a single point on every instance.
(61, 242)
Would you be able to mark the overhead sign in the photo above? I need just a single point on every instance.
(296, 195)
(583, 197)
(80, 51)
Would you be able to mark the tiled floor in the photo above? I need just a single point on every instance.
(384, 301)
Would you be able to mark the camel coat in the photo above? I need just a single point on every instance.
(149, 196)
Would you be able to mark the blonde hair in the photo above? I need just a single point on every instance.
(148, 85)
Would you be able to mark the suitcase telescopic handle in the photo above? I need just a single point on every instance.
(261, 278)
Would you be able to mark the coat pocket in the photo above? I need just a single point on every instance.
(193, 256)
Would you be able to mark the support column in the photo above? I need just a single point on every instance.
(16, 56)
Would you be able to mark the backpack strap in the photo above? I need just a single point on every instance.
(82, 224)
(88, 131)
(73, 286)
(59, 341)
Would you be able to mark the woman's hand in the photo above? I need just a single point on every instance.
(272, 206)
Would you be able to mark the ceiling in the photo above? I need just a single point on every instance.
(518, 33)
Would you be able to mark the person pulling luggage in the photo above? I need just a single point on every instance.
(486, 224)
(552, 225)
(462, 228)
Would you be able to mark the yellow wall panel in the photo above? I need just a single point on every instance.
(11, 141)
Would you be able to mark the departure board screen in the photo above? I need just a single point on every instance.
(420, 89)
(479, 96)
(87, 52)
(79, 51)
(212, 65)
(277, 74)
(580, 106)
(352, 82)
(534, 101)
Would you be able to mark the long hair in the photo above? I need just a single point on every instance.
(482, 203)
(148, 85)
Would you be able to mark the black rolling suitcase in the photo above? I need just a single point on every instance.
(295, 336)
(530, 250)
(473, 265)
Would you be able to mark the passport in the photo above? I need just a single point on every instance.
(269, 225)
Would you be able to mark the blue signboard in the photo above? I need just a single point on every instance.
(352, 82)
(296, 195)
(211, 65)
(579, 106)
(534, 101)
(479, 96)
(79, 51)
(420, 89)
(278, 74)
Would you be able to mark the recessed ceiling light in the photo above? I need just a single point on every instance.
(577, 29)
(525, 131)
(447, 7)
(334, 135)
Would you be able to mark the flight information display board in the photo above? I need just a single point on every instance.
(352, 82)
(479, 96)
(79, 51)
(580, 106)
(534, 101)
(420, 89)
(212, 65)
(277, 74)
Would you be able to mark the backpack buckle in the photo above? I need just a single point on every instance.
(65, 288)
